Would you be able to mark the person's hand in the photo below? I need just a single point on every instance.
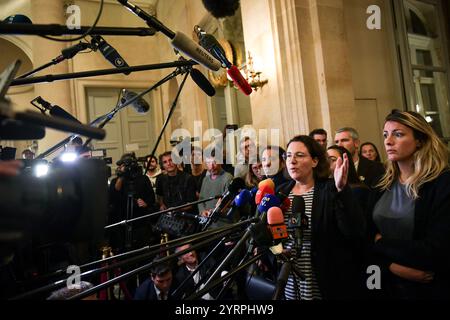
(162, 207)
(377, 237)
(411, 274)
(341, 172)
(10, 168)
(141, 203)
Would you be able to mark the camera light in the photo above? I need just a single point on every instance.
(41, 170)
(69, 157)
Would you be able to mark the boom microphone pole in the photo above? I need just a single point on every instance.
(229, 275)
(217, 233)
(143, 268)
(150, 215)
(102, 72)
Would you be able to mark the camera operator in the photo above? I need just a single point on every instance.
(131, 186)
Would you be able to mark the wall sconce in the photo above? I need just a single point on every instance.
(252, 76)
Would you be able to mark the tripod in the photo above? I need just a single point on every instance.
(130, 212)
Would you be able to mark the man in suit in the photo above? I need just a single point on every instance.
(369, 172)
(158, 286)
(188, 263)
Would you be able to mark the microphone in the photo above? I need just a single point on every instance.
(179, 40)
(186, 45)
(267, 182)
(277, 227)
(233, 189)
(267, 202)
(71, 51)
(240, 201)
(264, 190)
(210, 43)
(298, 221)
(202, 82)
(239, 80)
(140, 105)
(108, 52)
(54, 110)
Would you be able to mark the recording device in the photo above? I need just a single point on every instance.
(140, 105)
(128, 168)
(210, 43)
(298, 221)
(108, 52)
(221, 9)
(179, 40)
(54, 110)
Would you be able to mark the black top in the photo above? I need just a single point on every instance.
(429, 247)
(338, 230)
(176, 190)
(369, 172)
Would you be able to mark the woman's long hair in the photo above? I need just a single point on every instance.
(430, 159)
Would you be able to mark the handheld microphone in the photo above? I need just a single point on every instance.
(202, 82)
(54, 110)
(239, 203)
(298, 221)
(233, 189)
(275, 220)
(140, 105)
(267, 182)
(210, 43)
(264, 190)
(179, 40)
(71, 51)
(186, 45)
(109, 52)
(267, 202)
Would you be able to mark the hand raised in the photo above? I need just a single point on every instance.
(341, 172)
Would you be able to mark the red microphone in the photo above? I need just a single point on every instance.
(262, 191)
(239, 80)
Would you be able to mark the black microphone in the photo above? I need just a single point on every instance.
(298, 221)
(202, 82)
(71, 51)
(140, 105)
(109, 52)
(54, 110)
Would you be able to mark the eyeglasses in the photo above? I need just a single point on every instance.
(297, 156)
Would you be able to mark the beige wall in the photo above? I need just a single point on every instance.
(325, 68)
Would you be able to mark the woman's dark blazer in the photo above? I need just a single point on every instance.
(338, 230)
(429, 250)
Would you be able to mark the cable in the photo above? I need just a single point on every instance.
(83, 35)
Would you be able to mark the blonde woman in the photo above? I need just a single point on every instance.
(411, 213)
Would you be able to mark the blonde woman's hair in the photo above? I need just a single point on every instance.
(430, 159)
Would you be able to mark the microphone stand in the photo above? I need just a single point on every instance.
(229, 275)
(197, 269)
(169, 115)
(111, 114)
(173, 209)
(142, 269)
(216, 234)
(102, 72)
(60, 30)
(67, 53)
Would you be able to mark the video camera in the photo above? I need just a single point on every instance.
(129, 168)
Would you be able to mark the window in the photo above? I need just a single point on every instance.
(423, 51)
